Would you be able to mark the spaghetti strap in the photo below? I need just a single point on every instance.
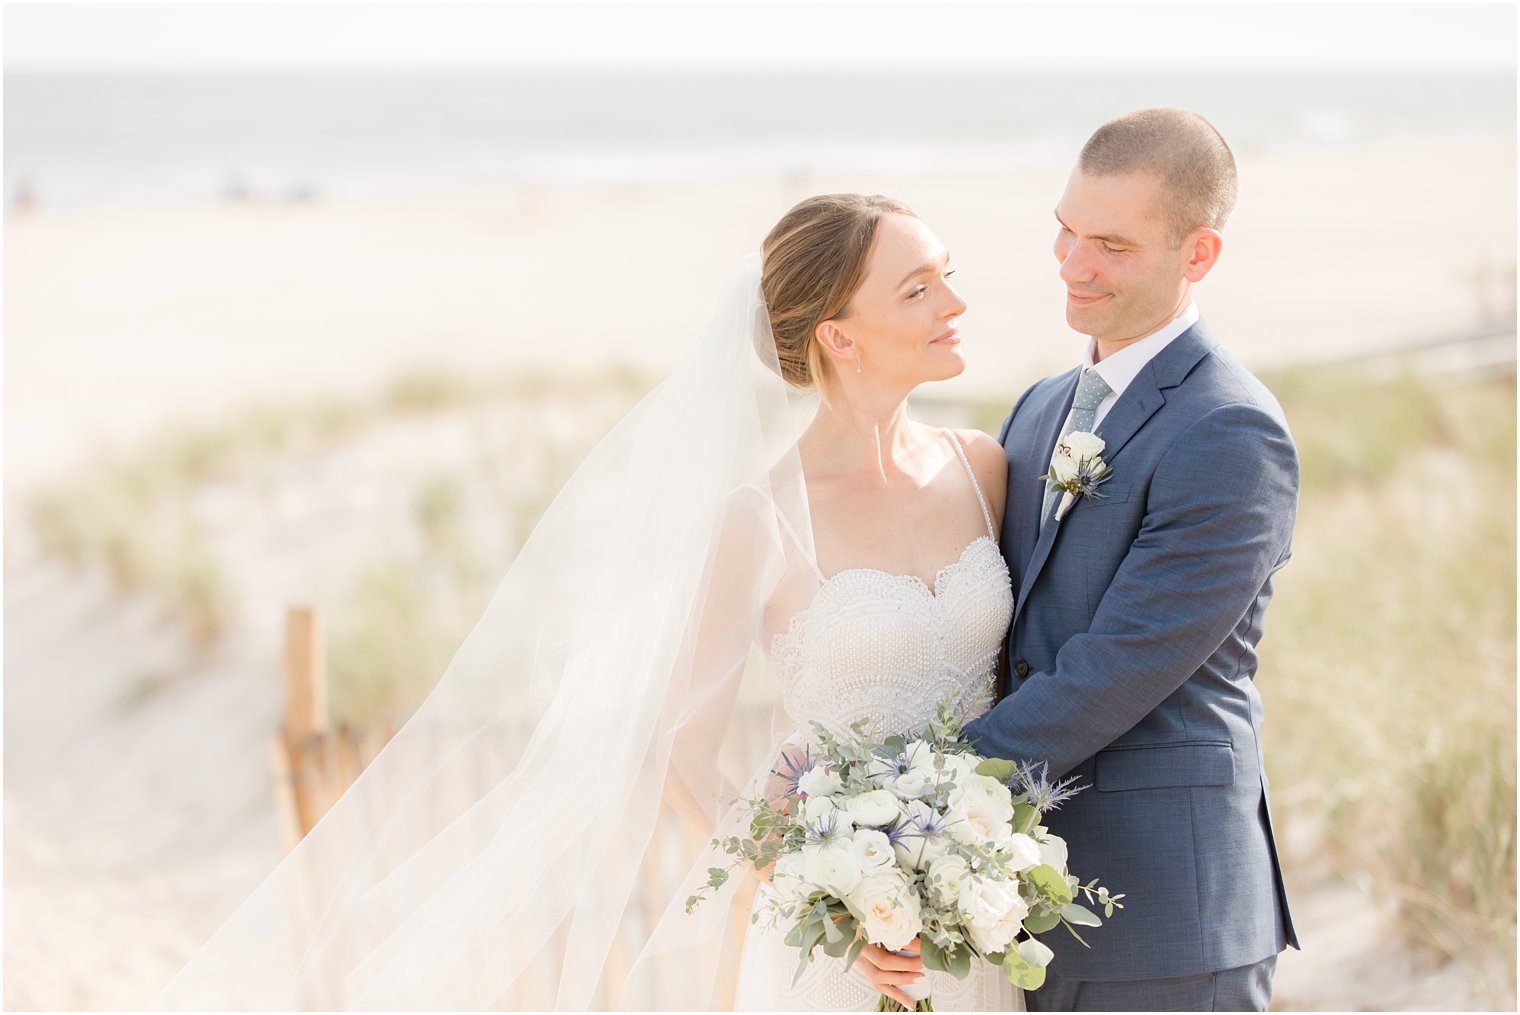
(786, 527)
(986, 515)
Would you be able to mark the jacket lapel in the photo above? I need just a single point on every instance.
(1047, 425)
(1137, 404)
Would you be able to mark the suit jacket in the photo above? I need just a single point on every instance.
(1132, 652)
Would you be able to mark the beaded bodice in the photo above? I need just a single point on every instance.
(889, 649)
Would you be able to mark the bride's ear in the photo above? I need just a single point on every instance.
(834, 342)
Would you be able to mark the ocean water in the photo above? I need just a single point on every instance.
(73, 140)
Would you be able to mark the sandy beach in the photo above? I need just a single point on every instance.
(133, 828)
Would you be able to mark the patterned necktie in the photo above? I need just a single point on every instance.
(1091, 390)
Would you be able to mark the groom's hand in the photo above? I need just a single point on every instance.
(888, 971)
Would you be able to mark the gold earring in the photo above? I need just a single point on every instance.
(857, 362)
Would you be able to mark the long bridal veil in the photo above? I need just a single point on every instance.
(511, 847)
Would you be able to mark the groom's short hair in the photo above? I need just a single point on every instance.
(1196, 167)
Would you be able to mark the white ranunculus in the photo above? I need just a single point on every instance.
(916, 851)
(1097, 465)
(1023, 852)
(1082, 444)
(911, 784)
(833, 867)
(874, 807)
(873, 850)
(819, 781)
(992, 911)
(1052, 849)
(816, 808)
(946, 877)
(888, 912)
(1063, 467)
(916, 754)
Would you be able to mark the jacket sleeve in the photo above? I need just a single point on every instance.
(1218, 523)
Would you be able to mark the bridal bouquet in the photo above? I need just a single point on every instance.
(914, 837)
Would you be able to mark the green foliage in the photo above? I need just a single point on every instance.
(1051, 885)
(1388, 666)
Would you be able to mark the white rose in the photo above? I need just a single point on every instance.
(958, 768)
(819, 781)
(1063, 467)
(1082, 444)
(993, 912)
(888, 912)
(873, 851)
(946, 877)
(790, 880)
(985, 808)
(1052, 849)
(874, 807)
(1023, 852)
(833, 868)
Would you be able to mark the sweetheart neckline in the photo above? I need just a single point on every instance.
(794, 626)
(933, 590)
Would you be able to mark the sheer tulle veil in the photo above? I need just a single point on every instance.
(510, 847)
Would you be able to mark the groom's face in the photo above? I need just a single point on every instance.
(1123, 278)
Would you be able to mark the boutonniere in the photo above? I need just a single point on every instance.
(1076, 469)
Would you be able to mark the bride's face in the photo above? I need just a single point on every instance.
(902, 320)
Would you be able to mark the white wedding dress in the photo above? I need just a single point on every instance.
(889, 649)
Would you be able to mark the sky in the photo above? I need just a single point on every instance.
(743, 36)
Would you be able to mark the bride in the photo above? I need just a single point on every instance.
(504, 849)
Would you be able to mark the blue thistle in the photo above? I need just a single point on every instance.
(1033, 781)
(795, 770)
(823, 830)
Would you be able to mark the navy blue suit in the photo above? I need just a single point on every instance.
(1132, 654)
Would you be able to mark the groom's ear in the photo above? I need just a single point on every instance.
(1202, 250)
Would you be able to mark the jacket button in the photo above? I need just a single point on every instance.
(1021, 669)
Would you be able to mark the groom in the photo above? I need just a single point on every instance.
(1133, 643)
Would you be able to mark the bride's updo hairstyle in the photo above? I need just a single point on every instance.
(813, 262)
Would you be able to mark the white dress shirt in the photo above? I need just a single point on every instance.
(1125, 365)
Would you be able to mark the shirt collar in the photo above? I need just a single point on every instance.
(1123, 366)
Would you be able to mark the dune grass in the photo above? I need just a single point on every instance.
(133, 512)
(1388, 665)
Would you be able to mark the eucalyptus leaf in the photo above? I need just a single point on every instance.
(1025, 818)
(1020, 973)
(1050, 883)
(996, 768)
(933, 955)
(1080, 915)
(856, 948)
(1039, 923)
(1036, 953)
(959, 963)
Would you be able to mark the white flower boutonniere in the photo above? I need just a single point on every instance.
(1076, 469)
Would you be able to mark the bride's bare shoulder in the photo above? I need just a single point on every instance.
(990, 464)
